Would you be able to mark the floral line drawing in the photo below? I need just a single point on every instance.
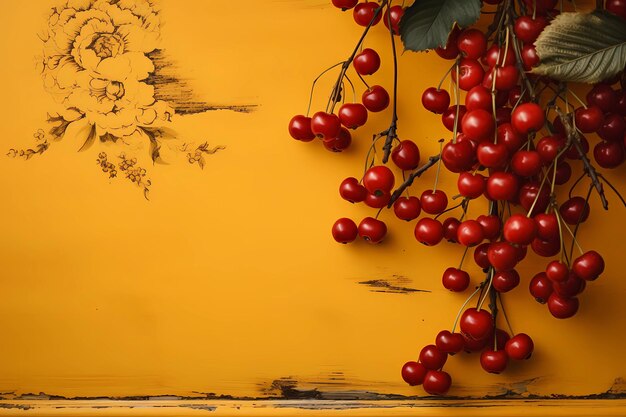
(102, 64)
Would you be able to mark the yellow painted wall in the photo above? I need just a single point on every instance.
(227, 279)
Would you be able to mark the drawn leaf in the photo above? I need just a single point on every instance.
(155, 145)
(426, 24)
(91, 138)
(582, 47)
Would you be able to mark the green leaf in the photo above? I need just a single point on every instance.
(426, 24)
(582, 47)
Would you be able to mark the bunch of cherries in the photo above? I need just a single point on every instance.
(504, 147)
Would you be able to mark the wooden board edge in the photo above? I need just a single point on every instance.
(352, 408)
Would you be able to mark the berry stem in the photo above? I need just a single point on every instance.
(506, 318)
(391, 133)
(457, 100)
(518, 53)
(336, 92)
(438, 166)
(472, 295)
(409, 181)
(563, 250)
(308, 110)
(489, 281)
(574, 137)
(463, 257)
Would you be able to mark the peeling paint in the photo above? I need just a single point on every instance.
(397, 284)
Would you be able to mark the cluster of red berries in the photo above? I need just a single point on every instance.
(504, 148)
(332, 128)
(477, 331)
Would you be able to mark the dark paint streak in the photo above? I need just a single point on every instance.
(315, 399)
(170, 88)
(394, 285)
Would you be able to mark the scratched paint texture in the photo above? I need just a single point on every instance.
(226, 284)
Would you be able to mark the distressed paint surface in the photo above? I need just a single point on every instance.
(226, 286)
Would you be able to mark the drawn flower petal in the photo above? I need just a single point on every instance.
(137, 39)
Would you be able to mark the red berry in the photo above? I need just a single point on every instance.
(350, 190)
(378, 179)
(437, 382)
(541, 287)
(449, 116)
(428, 231)
(520, 230)
(455, 280)
(339, 143)
(609, 154)
(492, 155)
(557, 271)
(506, 77)
(502, 256)
(589, 119)
(352, 115)
(509, 137)
(519, 347)
(495, 55)
(480, 256)
(471, 74)
(345, 230)
(406, 155)
(478, 125)
(378, 200)
(547, 226)
(345, 4)
(436, 100)
(364, 13)
(589, 265)
(546, 248)
(375, 99)
(528, 117)
(407, 208)
(449, 343)
(413, 373)
(458, 156)
(548, 148)
(575, 210)
(530, 194)
(434, 202)
(432, 358)
(394, 15)
(366, 62)
(613, 128)
(372, 230)
(617, 7)
(491, 225)
(478, 97)
(571, 287)
(472, 43)
(470, 233)
(530, 58)
(602, 96)
(450, 228)
(526, 163)
(471, 185)
(502, 186)
(494, 361)
(450, 50)
(562, 308)
(528, 29)
(505, 281)
(325, 125)
(476, 324)
(300, 128)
